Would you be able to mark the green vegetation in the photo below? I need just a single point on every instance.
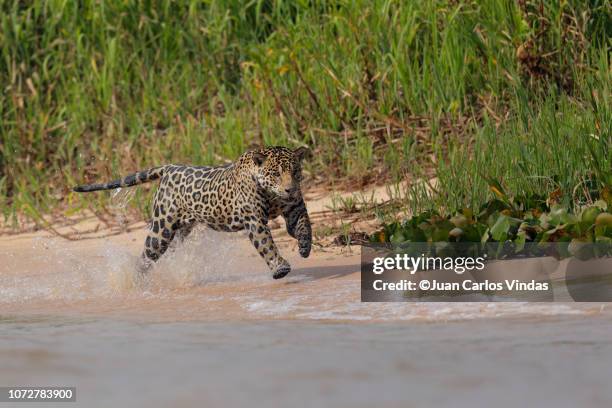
(380, 90)
(513, 222)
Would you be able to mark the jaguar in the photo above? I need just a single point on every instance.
(244, 195)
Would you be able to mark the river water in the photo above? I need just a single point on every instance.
(510, 363)
(211, 328)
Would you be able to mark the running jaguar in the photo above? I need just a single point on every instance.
(242, 196)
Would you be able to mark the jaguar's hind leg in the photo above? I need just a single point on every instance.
(162, 231)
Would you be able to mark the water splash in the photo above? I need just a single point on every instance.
(58, 270)
(120, 199)
(206, 257)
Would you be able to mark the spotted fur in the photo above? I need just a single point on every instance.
(260, 185)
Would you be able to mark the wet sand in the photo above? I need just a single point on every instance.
(213, 276)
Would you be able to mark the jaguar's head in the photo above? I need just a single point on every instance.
(278, 170)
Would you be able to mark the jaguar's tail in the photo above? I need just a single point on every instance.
(133, 179)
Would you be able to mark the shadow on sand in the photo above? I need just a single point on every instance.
(321, 272)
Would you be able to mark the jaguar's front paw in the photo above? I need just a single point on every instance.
(304, 248)
(282, 271)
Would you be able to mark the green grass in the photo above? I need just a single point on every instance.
(380, 90)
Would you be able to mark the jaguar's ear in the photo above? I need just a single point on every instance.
(302, 153)
(259, 158)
